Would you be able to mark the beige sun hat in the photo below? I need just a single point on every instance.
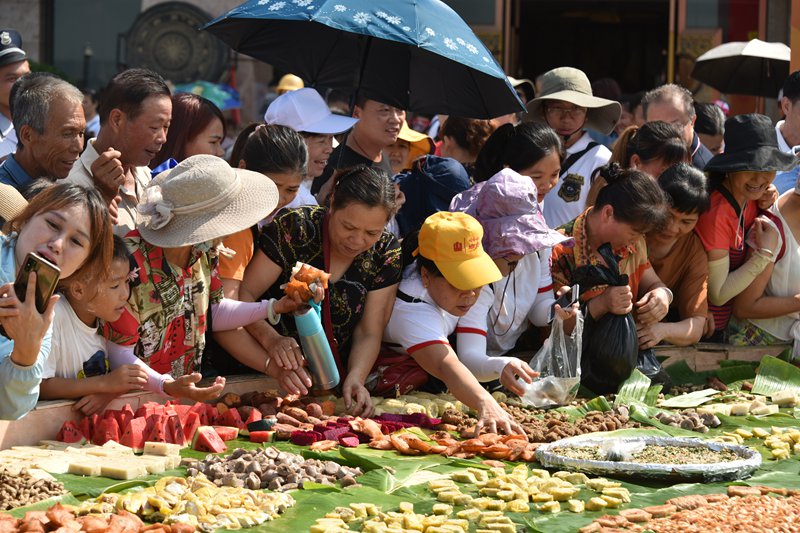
(571, 85)
(12, 203)
(202, 199)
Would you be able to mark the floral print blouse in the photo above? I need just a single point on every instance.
(296, 235)
(168, 306)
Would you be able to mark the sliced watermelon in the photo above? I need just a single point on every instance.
(110, 413)
(133, 437)
(156, 428)
(254, 416)
(107, 429)
(190, 425)
(207, 440)
(175, 430)
(149, 408)
(85, 426)
(226, 433)
(231, 418)
(262, 436)
(182, 410)
(202, 412)
(125, 415)
(70, 432)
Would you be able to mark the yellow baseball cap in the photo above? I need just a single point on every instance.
(289, 82)
(453, 242)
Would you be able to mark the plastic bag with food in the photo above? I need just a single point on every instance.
(558, 362)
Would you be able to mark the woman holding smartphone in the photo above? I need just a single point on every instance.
(68, 226)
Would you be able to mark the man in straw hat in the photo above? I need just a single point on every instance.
(567, 105)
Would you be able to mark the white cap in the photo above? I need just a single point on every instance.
(304, 110)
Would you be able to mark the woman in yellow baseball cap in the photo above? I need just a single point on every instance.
(434, 300)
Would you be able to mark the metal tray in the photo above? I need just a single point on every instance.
(748, 462)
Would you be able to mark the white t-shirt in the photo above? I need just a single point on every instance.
(77, 350)
(567, 199)
(419, 324)
(518, 301)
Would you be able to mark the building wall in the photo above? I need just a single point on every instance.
(25, 17)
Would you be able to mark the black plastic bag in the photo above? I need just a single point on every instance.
(610, 343)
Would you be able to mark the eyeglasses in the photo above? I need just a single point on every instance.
(564, 112)
(680, 124)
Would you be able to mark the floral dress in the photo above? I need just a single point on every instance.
(296, 235)
(168, 306)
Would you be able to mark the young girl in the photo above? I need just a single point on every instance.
(81, 365)
(434, 300)
(679, 260)
(530, 148)
(69, 226)
(650, 148)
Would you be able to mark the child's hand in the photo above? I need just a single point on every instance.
(184, 387)
(93, 403)
(126, 378)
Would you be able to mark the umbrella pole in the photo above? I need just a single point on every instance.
(359, 74)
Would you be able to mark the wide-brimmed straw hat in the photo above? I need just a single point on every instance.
(512, 221)
(202, 199)
(750, 144)
(571, 85)
(12, 203)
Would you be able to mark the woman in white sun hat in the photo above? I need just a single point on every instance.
(175, 291)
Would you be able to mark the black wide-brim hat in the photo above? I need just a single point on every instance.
(751, 144)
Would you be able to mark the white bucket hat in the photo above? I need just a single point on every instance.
(202, 199)
(304, 110)
(571, 85)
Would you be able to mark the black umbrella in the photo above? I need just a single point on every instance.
(755, 67)
(418, 55)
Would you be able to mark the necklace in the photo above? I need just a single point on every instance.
(361, 151)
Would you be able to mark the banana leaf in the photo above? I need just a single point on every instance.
(775, 375)
(90, 486)
(682, 374)
(734, 373)
(690, 399)
(599, 403)
(64, 499)
(651, 398)
(633, 390)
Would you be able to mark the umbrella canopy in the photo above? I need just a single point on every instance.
(418, 55)
(223, 96)
(754, 67)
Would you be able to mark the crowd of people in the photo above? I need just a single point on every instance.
(447, 250)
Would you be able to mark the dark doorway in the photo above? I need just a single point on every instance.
(622, 39)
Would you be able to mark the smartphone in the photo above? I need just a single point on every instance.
(564, 301)
(47, 275)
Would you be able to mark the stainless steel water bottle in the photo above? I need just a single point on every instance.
(317, 350)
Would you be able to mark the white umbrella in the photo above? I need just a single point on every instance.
(754, 67)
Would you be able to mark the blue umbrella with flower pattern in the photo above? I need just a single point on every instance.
(418, 55)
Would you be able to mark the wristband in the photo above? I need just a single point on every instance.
(267, 361)
(272, 316)
(766, 252)
(669, 294)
